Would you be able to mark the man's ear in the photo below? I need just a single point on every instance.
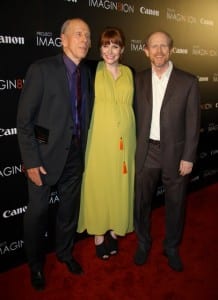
(63, 40)
(146, 52)
(171, 51)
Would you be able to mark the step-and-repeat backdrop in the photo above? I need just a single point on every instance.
(29, 30)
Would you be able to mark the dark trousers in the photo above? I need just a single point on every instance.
(36, 216)
(175, 191)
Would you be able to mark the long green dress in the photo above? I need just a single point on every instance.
(108, 181)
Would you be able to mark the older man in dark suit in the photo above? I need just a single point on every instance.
(167, 108)
(52, 121)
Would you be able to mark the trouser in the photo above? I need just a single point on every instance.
(36, 216)
(175, 192)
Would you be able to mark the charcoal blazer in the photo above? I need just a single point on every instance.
(179, 119)
(45, 102)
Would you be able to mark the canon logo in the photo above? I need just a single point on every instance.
(11, 40)
(212, 127)
(214, 152)
(202, 155)
(180, 50)
(8, 131)
(203, 79)
(196, 178)
(206, 22)
(209, 173)
(149, 11)
(14, 212)
(206, 106)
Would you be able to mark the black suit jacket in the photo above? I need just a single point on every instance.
(45, 104)
(179, 118)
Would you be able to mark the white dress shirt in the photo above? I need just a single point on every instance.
(159, 85)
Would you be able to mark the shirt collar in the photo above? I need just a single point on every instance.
(167, 73)
(71, 66)
(169, 70)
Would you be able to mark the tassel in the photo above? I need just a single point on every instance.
(124, 168)
(121, 143)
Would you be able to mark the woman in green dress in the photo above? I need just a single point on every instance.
(108, 183)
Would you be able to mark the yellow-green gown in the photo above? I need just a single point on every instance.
(108, 181)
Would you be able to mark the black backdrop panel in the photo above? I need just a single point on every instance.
(30, 30)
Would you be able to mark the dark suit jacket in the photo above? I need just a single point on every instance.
(45, 102)
(179, 118)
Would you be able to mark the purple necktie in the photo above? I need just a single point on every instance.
(78, 103)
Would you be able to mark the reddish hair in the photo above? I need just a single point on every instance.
(112, 35)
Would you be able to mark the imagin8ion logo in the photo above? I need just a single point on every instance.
(54, 198)
(45, 39)
(173, 15)
(8, 247)
(137, 45)
(215, 77)
(112, 5)
(7, 84)
(10, 171)
(198, 50)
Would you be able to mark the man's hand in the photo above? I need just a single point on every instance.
(34, 175)
(185, 167)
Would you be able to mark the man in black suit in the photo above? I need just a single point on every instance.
(52, 137)
(167, 109)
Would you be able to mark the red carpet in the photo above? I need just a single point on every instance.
(120, 279)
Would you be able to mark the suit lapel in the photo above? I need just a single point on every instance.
(143, 108)
(148, 93)
(145, 91)
(171, 86)
(64, 82)
(148, 83)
